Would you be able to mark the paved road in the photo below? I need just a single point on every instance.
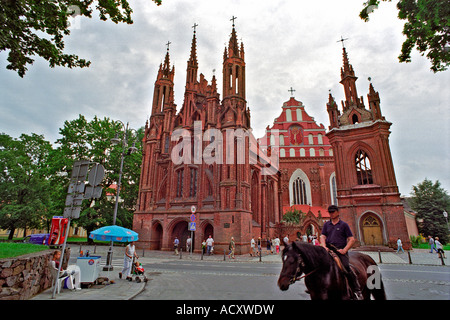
(205, 280)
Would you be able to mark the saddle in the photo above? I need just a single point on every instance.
(337, 260)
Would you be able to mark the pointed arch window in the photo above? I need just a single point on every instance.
(363, 168)
(193, 184)
(180, 179)
(299, 191)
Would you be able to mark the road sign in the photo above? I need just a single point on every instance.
(192, 226)
(193, 209)
(192, 217)
(96, 174)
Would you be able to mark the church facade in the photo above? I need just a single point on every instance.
(202, 168)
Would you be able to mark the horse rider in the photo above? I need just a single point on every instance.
(336, 233)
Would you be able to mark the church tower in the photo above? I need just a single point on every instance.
(367, 191)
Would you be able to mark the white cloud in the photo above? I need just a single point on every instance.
(287, 43)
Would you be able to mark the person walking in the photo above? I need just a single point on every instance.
(209, 245)
(439, 248)
(252, 247)
(431, 243)
(130, 253)
(176, 243)
(399, 245)
(232, 247)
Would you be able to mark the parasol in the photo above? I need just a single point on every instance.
(114, 233)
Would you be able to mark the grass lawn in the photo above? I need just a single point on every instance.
(12, 249)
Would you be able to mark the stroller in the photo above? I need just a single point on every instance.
(138, 270)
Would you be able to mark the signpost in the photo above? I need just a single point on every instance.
(192, 225)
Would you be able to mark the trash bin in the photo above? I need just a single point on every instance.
(89, 268)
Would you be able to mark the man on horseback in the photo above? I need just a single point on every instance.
(336, 234)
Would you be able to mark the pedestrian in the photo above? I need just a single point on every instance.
(276, 243)
(431, 243)
(286, 239)
(439, 248)
(252, 247)
(176, 243)
(130, 253)
(336, 234)
(269, 245)
(259, 246)
(209, 245)
(232, 247)
(305, 238)
(188, 244)
(203, 246)
(315, 241)
(399, 245)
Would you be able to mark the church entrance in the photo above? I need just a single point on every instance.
(180, 230)
(157, 235)
(372, 233)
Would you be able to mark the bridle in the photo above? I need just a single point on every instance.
(300, 265)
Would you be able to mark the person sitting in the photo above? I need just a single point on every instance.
(73, 272)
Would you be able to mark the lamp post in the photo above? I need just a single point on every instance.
(115, 141)
(446, 219)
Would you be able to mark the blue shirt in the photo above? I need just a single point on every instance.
(337, 234)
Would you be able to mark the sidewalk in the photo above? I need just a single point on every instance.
(122, 289)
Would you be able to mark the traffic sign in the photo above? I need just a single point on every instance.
(192, 226)
(192, 217)
(193, 209)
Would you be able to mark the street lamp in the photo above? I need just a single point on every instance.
(446, 219)
(115, 141)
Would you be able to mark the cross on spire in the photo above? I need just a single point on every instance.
(342, 40)
(291, 91)
(168, 44)
(195, 26)
(232, 19)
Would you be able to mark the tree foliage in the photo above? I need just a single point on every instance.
(427, 28)
(38, 27)
(430, 200)
(34, 175)
(23, 181)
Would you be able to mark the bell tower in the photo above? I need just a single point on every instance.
(367, 191)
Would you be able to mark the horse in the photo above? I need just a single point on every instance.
(324, 278)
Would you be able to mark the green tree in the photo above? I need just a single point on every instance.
(83, 140)
(37, 28)
(430, 200)
(24, 184)
(427, 28)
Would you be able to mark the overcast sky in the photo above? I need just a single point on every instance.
(288, 43)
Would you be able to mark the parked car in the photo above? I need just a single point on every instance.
(39, 238)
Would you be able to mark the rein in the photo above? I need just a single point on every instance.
(301, 263)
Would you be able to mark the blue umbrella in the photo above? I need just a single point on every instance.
(114, 233)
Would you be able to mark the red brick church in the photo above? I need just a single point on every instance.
(204, 159)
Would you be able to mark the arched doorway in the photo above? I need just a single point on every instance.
(209, 231)
(180, 230)
(157, 235)
(371, 230)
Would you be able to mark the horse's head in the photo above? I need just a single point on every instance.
(292, 266)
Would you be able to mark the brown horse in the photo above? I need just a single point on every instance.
(324, 279)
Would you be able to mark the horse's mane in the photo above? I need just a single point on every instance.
(313, 256)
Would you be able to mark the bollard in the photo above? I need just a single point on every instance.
(260, 255)
(143, 252)
(442, 259)
(181, 250)
(409, 257)
(95, 248)
(224, 255)
(379, 257)
(202, 254)
(80, 249)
